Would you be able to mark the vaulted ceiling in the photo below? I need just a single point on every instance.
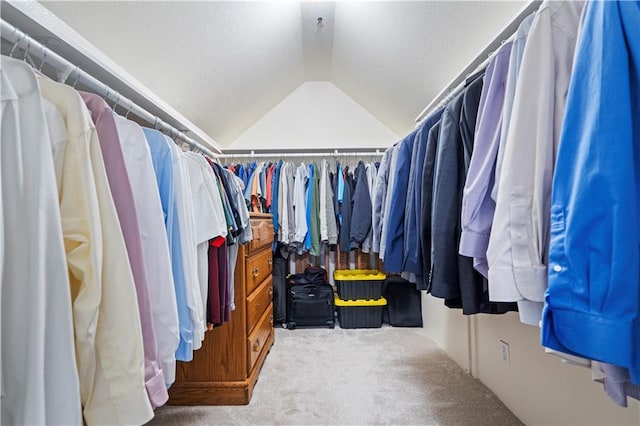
(225, 64)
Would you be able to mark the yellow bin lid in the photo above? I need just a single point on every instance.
(374, 302)
(358, 275)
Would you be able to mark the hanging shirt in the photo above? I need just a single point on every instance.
(328, 229)
(283, 217)
(106, 313)
(519, 241)
(188, 243)
(379, 199)
(237, 186)
(275, 195)
(308, 195)
(300, 205)
(477, 205)
(209, 221)
(120, 186)
(269, 186)
(155, 248)
(593, 300)
(39, 377)
(160, 149)
(515, 61)
(231, 224)
(314, 249)
(384, 217)
(290, 201)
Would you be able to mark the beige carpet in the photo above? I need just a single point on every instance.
(392, 376)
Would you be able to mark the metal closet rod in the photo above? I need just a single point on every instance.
(335, 153)
(480, 62)
(66, 69)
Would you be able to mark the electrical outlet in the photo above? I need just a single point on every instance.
(504, 353)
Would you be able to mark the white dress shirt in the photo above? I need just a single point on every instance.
(39, 373)
(519, 240)
(188, 243)
(157, 259)
(209, 216)
(106, 317)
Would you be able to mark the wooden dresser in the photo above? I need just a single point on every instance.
(226, 368)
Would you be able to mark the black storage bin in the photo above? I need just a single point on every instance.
(359, 284)
(360, 313)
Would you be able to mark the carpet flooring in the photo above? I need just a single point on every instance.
(380, 376)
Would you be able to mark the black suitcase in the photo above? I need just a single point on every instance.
(404, 302)
(309, 300)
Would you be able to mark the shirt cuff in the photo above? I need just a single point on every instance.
(156, 390)
(531, 282)
(530, 312)
(169, 371)
(473, 244)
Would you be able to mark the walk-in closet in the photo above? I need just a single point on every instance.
(320, 212)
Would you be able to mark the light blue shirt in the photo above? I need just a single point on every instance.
(161, 155)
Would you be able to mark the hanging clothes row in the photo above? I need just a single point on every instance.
(513, 176)
(313, 205)
(117, 249)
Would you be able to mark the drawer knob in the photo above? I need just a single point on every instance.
(254, 272)
(256, 345)
(271, 321)
(270, 262)
(270, 291)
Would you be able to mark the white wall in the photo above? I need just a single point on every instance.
(316, 115)
(448, 328)
(537, 387)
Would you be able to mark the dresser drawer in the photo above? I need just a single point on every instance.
(258, 268)
(259, 336)
(263, 233)
(258, 302)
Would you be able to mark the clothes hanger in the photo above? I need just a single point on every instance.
(21, 36)
(126, 115)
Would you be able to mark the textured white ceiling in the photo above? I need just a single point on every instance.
(224, 65)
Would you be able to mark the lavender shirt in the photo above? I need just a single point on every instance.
(122, 194)
(478, 207)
